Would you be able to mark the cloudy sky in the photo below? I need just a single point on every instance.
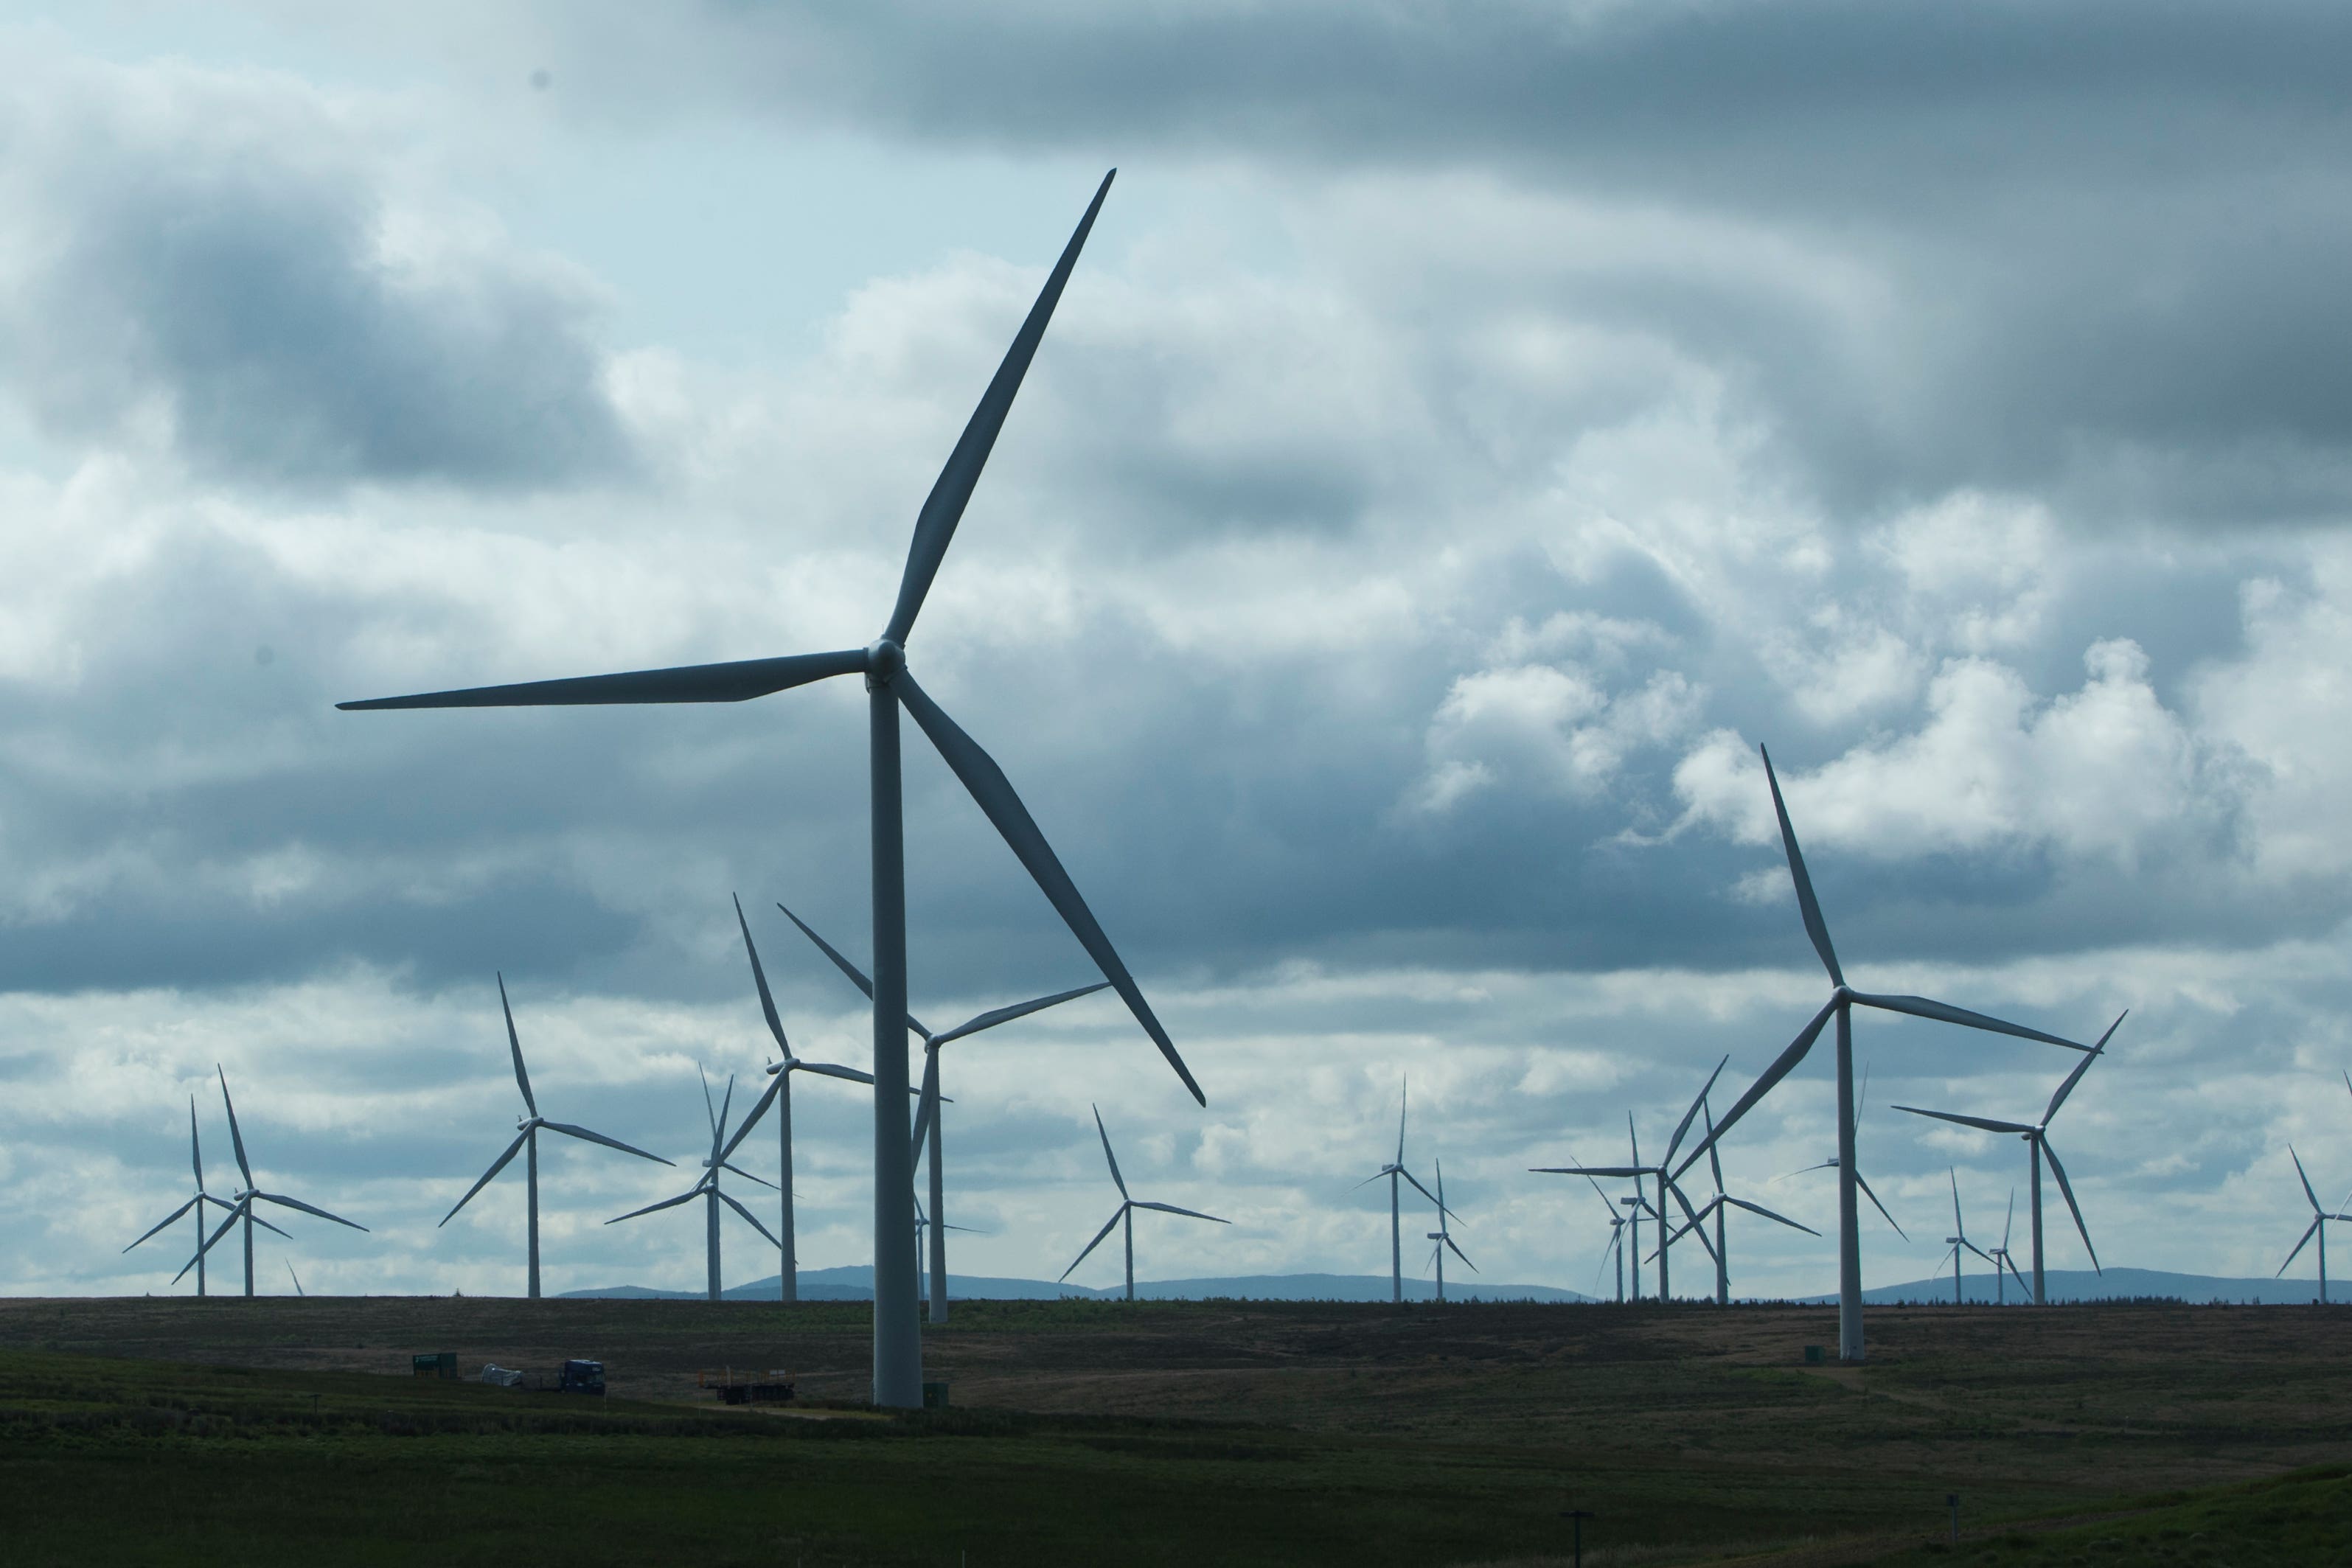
(1470, 432)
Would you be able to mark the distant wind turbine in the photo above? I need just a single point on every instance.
(2319, 1218)
(706, 1189)
(241, 1207)
(890, 685)
(1861, 1097)
(778, 1094)
(2037, 1143)
(525, 1142)
(2002, 1258)
(1126, 1215)
(1841, 1005)
(922, 1222)
(1443, 1236)
(1394, 1170)
(927, 1111)
(1959, 1242)
(196, 1160)
(1666, 1186)
(296, 1278)
(1716, 1206)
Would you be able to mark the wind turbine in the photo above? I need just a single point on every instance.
(1635, 1207)
(922, 1222)
(926, 1114)
(707, 1188)
(2000, 1279)
(296, 1278)
(1958, 1241)
(778, 1094)
(2319, 1218)
(2037, 1143)
(897, 1335)
(1394, 1170)
(203, 1196)
(1840, 1006)
(241, 1206)
(1859, 1181)
(1125, 1214)
(525, 1142)
(1666, 1185)
(1716, 1206)
(1443, 1237)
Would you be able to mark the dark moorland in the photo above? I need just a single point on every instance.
(227, 1431)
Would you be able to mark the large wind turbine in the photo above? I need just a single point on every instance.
(926, 1114)
(1666, 1185)
(1959, 1242)
(2319, 1218)
(1126, 1215)
(898, 1335)
(1840, 1006)
(706, 1189)
(1443, 1236)
(2037, 1143)
(525, 1142)
(778, 1094)
(203, 1196)
(241, 1206)
(1394, 1170)
(1716, 1206)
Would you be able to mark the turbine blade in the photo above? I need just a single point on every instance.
(166, 1220)
(994, 794)
(2298, 1171)
(990, 1018)
(235, 1138)
(751, 1219)
(727, 683)
(2011, 1264)
(2081, 1067)
(1575, 1170)
(857, 976)
(522, 1078)
(1439, 1201)
(927, 1106)
(195, 1149)
(709, 1111)
(1091, 1246)
(724, 1107)
(1760, 1208)
(1989, 1125)
(1978, 1251)
(1691, 1115)
(935, 525)
(2315, 1223)
(760, 979)
(1780, 1068)
(1692, 1216)
(1405, 1102)
(234, 1210)
(266, 1226)
(1876, 1204)
(830, 1071)
(496, 1166)
(1807, 905)
(689, 1196)
(1714, 1158)
(284, 1202)
(1113, 1158)
(569, 1131)
(1447, 1242)
(1921, 1006)
(768, 1097)
(1171, 1208)
(2010, 1221)
(1861, 1098)
(297, 1278)
(2067, 1192)
(1955, 1177)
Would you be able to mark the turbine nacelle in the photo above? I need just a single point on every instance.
(884, 660)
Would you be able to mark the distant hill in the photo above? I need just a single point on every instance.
(856, 1284)
(2116, 1284)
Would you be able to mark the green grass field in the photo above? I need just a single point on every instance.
(272, 1431)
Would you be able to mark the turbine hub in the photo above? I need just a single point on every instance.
(1844, 993)
(884, 660)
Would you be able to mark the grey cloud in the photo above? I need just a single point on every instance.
(220, 256)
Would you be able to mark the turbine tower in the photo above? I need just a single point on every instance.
(1443, 1237)
(1666, 1186)
(1840, 1006)
(241, 1206)
(778, 1094)
(1126, 1215)
(2037, 1143)
(927, 1112)
(898, 1335)
(1716, 1206)
(1959, 1242)
(203, 1196)
(2319, 1218)
(525, 1142)
(1394, 1170)
(706, 1189)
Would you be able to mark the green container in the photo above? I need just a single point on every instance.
(1813, 1355)
(443, 1364)
(935, 1395)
